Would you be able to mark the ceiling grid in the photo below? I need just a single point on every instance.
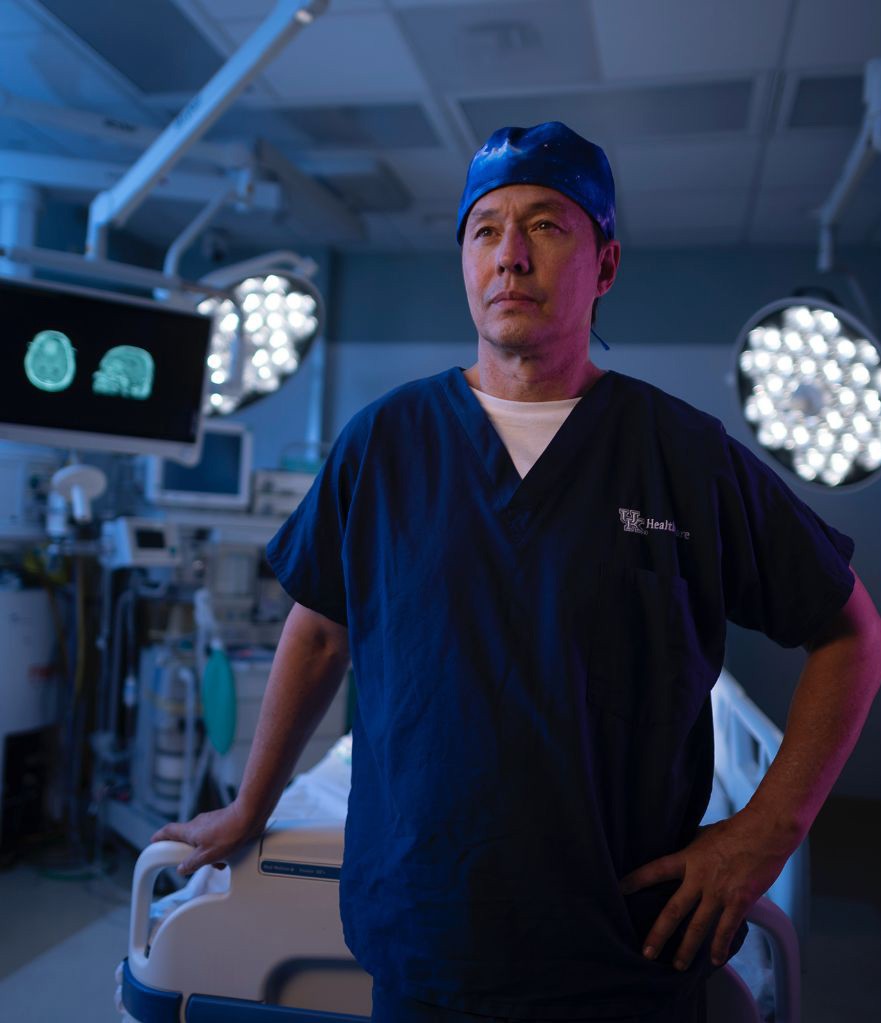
(709, 111)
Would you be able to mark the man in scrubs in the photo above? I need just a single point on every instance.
(530, 564)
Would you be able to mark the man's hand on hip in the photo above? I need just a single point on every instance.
(724, 871)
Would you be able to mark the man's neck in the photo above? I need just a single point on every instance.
(516, 385)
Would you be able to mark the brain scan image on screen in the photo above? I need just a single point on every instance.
(125, 372)
(50, 361)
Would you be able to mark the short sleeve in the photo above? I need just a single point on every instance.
(785, 572)
(306, 553)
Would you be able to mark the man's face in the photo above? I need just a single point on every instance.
(532, 270)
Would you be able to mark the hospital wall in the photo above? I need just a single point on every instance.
(672, 319)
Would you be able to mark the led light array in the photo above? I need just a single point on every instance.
(259, 339)
(814, 392)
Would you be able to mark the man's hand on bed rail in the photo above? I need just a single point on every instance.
(311, 658)
(724, 871)
(215, 836)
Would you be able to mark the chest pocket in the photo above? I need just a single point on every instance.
(643, 645)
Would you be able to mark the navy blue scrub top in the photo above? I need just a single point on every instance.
(533, 660)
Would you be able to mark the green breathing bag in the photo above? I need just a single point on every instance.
(219, 700)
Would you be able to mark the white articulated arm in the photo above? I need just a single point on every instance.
(866, 148)
(116, 204)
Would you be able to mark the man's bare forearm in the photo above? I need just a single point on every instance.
(832, 700)
(309, 664)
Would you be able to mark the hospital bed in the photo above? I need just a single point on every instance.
(261, 941)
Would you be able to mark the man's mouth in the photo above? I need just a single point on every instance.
(511, 297)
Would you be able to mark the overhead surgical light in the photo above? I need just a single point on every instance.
(807, 370)
(809, 380)
(262, 331)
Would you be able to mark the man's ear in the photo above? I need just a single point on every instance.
(610, 257)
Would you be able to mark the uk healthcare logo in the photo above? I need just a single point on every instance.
(633, 522)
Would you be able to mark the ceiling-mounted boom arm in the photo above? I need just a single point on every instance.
(864, 151)
(115, 205)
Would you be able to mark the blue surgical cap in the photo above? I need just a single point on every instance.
(548, 154)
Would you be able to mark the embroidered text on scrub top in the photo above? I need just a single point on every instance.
(634, 522)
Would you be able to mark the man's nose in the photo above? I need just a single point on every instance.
(513, 253)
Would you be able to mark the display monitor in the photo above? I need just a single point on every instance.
(92, 370)
(220, 479)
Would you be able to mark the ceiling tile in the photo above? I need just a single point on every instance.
(726, 163)
(708, 107)
(786, 216)
(404, 4)
(792, 195)
(468, 47)
(348, 6)
(48, 68)
(221, 9)
(366, 53)
(87, 148)
(641, 39)
(368, 126)
(828, 34)
(15, 134)
(582, 111)
(155, 46)
(426, 227)
(827, 102)
(681, 210)
(242, 122)
(806, 158)
(16, 21)
(376, 189)
(431, 173)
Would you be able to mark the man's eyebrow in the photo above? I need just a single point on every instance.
(542, 206)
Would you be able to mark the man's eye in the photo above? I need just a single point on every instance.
(479, 232)
(546, 224)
